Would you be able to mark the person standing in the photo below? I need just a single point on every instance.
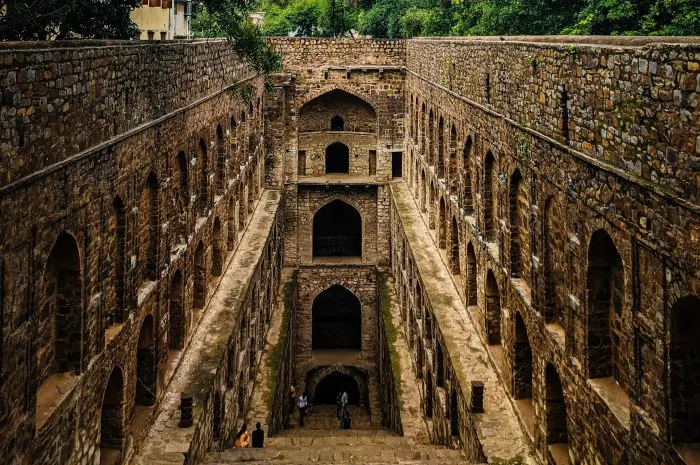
(338, 404)
(303, 403)
(344, 400)
(258, 436)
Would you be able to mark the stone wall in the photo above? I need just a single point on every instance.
(282, 403)
(388, 367)
(570, 223)
(128, 168)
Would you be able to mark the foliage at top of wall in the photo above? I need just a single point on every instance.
(410, 18)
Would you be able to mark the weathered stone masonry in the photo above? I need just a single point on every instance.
(561, 182)
(129, 174)
(543, 240)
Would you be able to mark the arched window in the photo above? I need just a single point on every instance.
(336, 320)
(489, 232)
(555, 408)
(217, 252)
(453, 170)
(454, 246)
(184, 179)
(431, 138)
(471, 291)
(146, 372)
(519, 228)
(442, 225)
(112, 418)
(337, 231)
(337, 158)
(119, 314)
(61, 311)
(200, 277)
(176, 314)
(203, 180)
(685, 370)
(337, 123)
(231, 225)
(441, 148)
(152, 217)
(220, 160)
(493, 310)
(467, 198)
(605, 281)
(522, 361)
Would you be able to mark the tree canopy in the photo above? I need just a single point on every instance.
(409, 18)
(67, 19)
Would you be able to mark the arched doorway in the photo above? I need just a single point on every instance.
(328, 388)
(685, 370)
(336, 320)
(337, 231)
(605, 280)
(112, 419)
(442, 225)
(337, 158)
(488, 197)
(146, 365)
(217, 252)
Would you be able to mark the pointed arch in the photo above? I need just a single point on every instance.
(61, 311)
(454, 247)
(119, 256)
(146, 366)
(493, 310)
(231, 225)
(452, 168)
(336, 320)
(605, 281)
(522, 361)
(442, 225)
(684, 353)
(441, 148)
(337, 123)
(203, 179)
(337, 158)
(431, 138)
(176, 313)
(471, 291)
(112, 416)
(489, 195)
(555, 408)
(467, 197)
(200, 280)
(220, 160)
(217, 249)
(337, 230)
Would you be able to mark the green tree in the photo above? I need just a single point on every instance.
(67, 19)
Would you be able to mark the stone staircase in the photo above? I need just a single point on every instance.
(321, 441)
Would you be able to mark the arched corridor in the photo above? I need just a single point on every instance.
(336, 320)
(337, 231)
(328, 388)
(112, 419)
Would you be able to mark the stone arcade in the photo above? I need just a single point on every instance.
(492, 245)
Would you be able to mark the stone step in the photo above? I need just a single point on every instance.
(338, 454)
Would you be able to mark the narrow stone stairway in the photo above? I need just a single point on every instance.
(321, 441)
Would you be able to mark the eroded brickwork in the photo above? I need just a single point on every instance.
(575, 212)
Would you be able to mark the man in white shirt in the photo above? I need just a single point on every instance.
(303, 403)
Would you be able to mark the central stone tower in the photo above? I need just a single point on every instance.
(335, 145)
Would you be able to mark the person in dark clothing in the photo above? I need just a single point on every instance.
(345, 419)
(258, 436)
(338, 405)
